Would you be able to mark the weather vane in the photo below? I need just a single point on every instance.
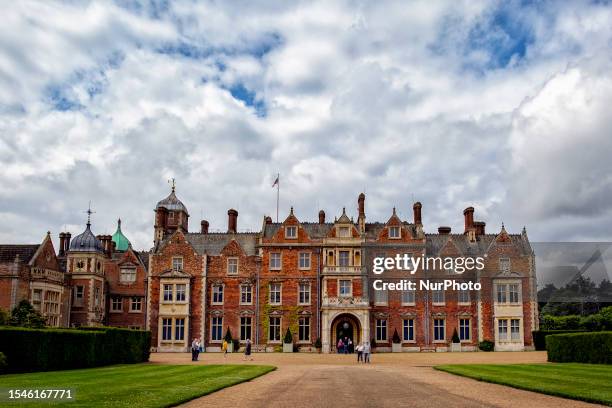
(89, 212)
(172, 183)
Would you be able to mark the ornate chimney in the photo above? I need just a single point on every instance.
(444, 230)
(204, 227)
(232, 220)
(416, 209)
(321, 217)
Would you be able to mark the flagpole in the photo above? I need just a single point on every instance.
(277, 194)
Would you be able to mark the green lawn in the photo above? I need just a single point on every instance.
(586, 382)
(136, 385)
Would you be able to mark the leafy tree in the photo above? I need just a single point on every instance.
(5, 317)
(24, 315)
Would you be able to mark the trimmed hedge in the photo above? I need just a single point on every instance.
(62, 349)
(539, 337)
(594, 348)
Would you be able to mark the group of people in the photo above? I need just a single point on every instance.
(196, 348)
(346, 346)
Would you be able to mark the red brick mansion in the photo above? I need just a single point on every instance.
(315, 278)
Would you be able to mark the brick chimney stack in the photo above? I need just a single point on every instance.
(232, 220)
(480, 227)
(468, 215)
(62, 244)
(416, 208)
(268, 220)
(321, 217)
(361, 205)
(444, 230)
(204, 227)
(67, 237)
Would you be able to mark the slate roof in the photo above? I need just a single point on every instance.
(213, 243)
(435, 242)
(25, 252)
(86, 242)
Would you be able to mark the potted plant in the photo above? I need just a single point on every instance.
(288, 342)
(372, 345)
(228, 339)
(455, 342)
(396, 345)
(486, 345)
(318, 345)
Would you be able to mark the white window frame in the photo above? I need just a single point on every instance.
(350, 287)
(274, 301)
(217, 294)
(306, 293)
(464, 301)
(436, 293)
(246, 289)
(177, 326)
(503, 290)
(502, 324)
(348, 257)
(114, 301)
(436, 329)
(278, 328)
(505, 264)
(164, 327)
(233, 265)
(177, 263)
(518, 331)
(305, 257)
(136, 300)
(304, 328)
(127, 275)
(164, 292)
(394, 232)
(463, 326)
(344, 232)
(407, 324)
(381, 297)
(176, 293)
(293, 234)
(276, 257)
(79, 295)
(408, 297)
(216, 327)
(246, 322)
(382, 328)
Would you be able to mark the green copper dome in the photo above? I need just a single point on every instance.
(121, 242)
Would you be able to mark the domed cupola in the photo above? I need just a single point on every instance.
(120, 240)
(86, 241)
(172, 203)
(170, 215)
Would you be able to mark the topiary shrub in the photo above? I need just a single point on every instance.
(539, 337)
(3, 362)
(228, 335)
(486, 345)
(396, 338)
(373, 342)
(288, 337)
(318, 343)
(24, 315)
(455, 338)
(236, 343)
(594, 348)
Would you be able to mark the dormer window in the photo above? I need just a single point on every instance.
(394, 232)
(344, 232)
(291, 232)
(128, 274)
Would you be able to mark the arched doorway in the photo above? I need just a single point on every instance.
(345, 326)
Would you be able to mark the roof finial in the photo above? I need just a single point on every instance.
(172, 183)
(89, 212)
(394, 211)
(119, 223)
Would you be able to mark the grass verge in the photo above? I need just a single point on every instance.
(134, 385)
(584, 382)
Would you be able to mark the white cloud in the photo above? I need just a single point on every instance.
(106, 103)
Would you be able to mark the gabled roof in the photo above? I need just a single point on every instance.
(436, 242)
(314, 230)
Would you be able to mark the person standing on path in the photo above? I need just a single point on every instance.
(366, 353)
(194, 349)
(247, 350)
(224, 348)
(340, 346)
(359, 349)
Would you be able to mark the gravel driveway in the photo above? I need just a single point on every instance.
(392, 380)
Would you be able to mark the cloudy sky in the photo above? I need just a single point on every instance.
(501, 105)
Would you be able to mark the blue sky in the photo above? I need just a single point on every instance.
(498, 105)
